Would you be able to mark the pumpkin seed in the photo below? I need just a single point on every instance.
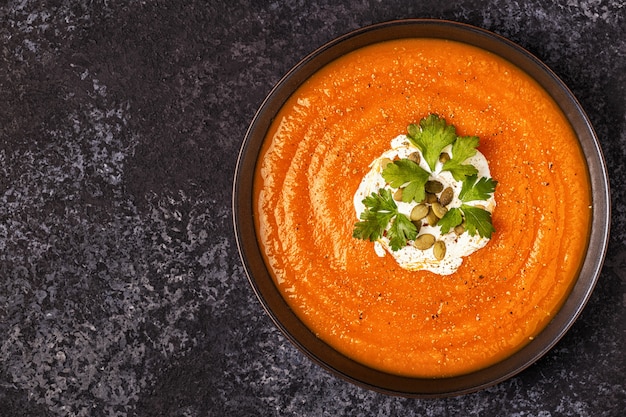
(439, 249)
(415, 157)
(446, 196)
(398, 194)
(444, 157)
(419, 212)
(417, 224)
(433, 187)
(439, 209)
(384, 162)
(431, 217)
(460, 229)
(430, 198)
(425, 241)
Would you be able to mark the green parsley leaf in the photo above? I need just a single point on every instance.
(474, 189)
(451, 219)
(380, 209)
(401, 230)
(406, 173)
(477, 220)
(431, 137)
(371, 226)
(463, 148)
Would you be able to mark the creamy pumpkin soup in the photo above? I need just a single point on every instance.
(405, 318)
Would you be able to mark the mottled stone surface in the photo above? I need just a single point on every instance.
(121, 289)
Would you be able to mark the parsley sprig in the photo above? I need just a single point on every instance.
(430, 137)
(433, 134)
(379, 212)
(463, 148)
(475, 219)
(409, 176)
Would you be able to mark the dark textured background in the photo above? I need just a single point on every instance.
(122, 293)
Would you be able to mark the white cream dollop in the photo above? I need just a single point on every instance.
(457, 246)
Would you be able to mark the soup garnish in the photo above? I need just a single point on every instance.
(426, 199)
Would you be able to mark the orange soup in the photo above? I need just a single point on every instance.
(417, 323)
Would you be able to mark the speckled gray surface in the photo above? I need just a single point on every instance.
(121, 289)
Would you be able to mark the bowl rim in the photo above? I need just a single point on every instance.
(285, 319)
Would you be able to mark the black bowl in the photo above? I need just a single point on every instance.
(270, 297)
